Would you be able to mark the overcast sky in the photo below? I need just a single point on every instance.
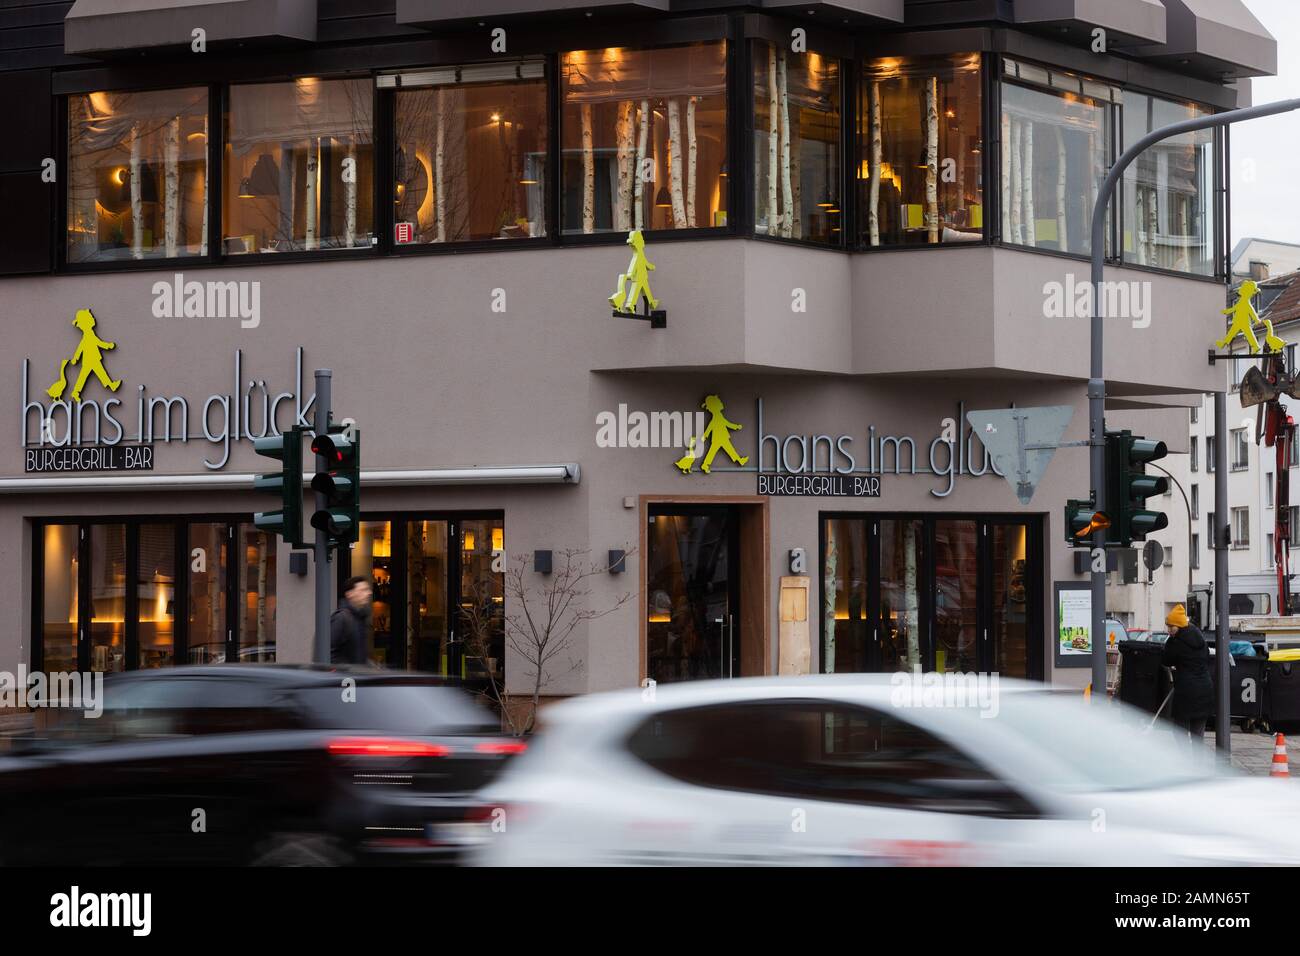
(1268, 206)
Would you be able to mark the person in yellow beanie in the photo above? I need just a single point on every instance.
(1188, 654)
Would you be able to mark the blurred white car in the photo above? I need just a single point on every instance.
(839, 769)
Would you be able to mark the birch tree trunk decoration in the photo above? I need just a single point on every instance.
(203, 235)
(773, 134)
(172, 185)
(829, 575)
(1005, 148)
(932, 159)
(262, 629)
(588, 173)
(350, 199)
(675, 163)
(439, 168)
(911, 597)
(692, 152)
(642, 143)
(877, 156)
(787, 206)
(1017, 234)
(1027, 170)
(310, 191)
(137, 207)
(623, 214)
(1151, 224)
(1062, 238)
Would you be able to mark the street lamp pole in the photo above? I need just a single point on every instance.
(1097, 402)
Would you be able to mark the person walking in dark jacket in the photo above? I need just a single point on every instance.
(348, 624)
(1188, 654)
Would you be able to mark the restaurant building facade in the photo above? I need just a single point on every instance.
(867, 219)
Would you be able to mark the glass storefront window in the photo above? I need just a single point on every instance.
(137, 175)
(156, 595)
(920, 126)
(902, 581)
(1169, 190)
(299, 166)
(426, 617)
(257, 594)
(645, 138)
(207, 589)
(471, 148)
(1056, 145)
(59, 585)
(107, 597)
(847, 638)
(482, 597)
(796, 144)
(373, 557)
(955, 612)
(1011, 599)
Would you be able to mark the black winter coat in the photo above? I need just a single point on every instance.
(1189, 655)
(347, 635)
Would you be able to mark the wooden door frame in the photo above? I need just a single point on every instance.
(763, 591)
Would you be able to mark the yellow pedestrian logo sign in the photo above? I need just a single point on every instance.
(635, 282)
(718, 434)
(89, 355)
(1244, 321)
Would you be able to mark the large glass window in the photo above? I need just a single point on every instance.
(902, 583)
(470, 159)
(846, 641)
(137, 175)
(1169, 190)
(59, 586)
(107, 597)
(955, 611)
(156, 595)
(482, 597)
(645, 138)
(298, 166)
(427, 576)
(1056, 135)
(257, 592)
(796, 144)
(920, 180)
(373, 558)
(207, 590)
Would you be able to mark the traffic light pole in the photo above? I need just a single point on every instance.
(1223, 716)
(324, 601)
(1097, 383)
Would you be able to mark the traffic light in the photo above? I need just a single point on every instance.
(338, 478)
(1128, 486)
(287, 449)
(1081, 519)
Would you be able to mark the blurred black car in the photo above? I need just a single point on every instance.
(264, 764)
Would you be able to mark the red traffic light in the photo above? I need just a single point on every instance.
(325, 446)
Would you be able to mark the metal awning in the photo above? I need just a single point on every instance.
(1219, 38)
(115, 27)
(838, 12)
(430, 12)
(566, 473)
(1125, 21)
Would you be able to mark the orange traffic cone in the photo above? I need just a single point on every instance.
(1279, 768)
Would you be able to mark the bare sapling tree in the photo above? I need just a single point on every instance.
(539, 625)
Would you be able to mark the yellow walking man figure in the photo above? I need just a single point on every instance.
(718, 432)
(89, 355)
(1245, 318)
(636, 281)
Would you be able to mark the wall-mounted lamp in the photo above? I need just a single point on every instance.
(617, 561)
(542, 562)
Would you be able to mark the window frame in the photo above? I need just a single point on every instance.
(1242, 512)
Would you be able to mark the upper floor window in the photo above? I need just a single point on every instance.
(1056, 135)
(299, 166)
(470, 159)
(644, 138)
(796, 144)
(920, 180)
(1168, 218)
(137, 175)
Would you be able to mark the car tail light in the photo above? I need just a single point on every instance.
(504, 747)
(385, 747)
